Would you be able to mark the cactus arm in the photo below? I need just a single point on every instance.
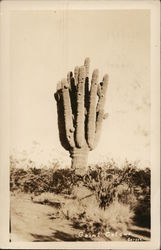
(86, 65)
(101, 92)
(61, 121)
(76, 73)
(102, 88)
(100, 117)
(80, 138)
(92, 110)
(73, 95)
(67, 113)
(69, 76)
(99, 121)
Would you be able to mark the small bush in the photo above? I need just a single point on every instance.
(63, 181)
(94, 220)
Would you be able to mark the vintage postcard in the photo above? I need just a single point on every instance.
(80, 125)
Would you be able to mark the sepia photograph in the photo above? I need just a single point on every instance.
(80, 97)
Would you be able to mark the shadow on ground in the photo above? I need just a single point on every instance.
(57, 236)
(141, 232)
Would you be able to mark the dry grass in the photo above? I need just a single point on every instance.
(89, 216)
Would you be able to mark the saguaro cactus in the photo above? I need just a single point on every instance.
(80, 109)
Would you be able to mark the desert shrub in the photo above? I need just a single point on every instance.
(34, 180)
(63, 181)
(37, 181)
(126, 185)
(140, 183)
(142, 210)
(31, 180)
(93, 220)
(16, 177)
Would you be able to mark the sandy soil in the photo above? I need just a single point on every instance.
(38, 222)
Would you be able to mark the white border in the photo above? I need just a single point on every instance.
(5, 8)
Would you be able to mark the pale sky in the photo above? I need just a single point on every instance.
(45, 45)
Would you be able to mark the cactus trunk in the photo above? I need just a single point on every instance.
(79, 160)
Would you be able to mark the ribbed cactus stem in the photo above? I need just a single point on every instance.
(68, 113)
(91, 127)
(80, 132)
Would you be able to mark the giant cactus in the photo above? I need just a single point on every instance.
(80, 109)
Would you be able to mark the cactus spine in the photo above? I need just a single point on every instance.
(80, 115)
